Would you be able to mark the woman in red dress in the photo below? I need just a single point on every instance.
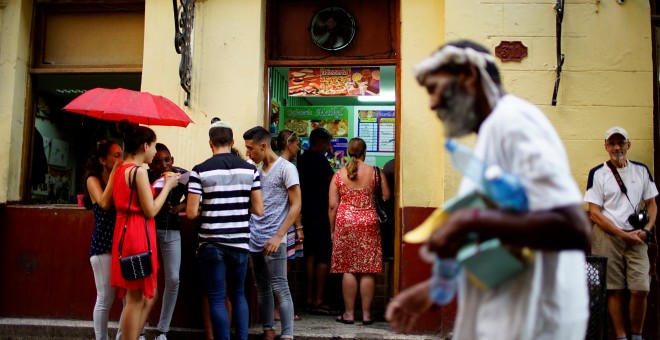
(356, 241)
(140, 147)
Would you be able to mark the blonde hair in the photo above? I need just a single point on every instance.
(357, 148)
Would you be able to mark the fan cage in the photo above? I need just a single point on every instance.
(346, 29)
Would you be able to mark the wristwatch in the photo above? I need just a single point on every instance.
(650, 237)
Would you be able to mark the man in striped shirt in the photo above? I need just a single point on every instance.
(229, 190)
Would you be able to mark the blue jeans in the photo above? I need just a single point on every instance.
(220, 264)
(270, 274)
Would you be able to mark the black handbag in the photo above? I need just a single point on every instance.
(135, 267)
(380, 204)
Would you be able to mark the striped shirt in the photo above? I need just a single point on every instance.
(225, 183)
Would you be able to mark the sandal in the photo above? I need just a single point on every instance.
(296, 317)
(368, 322)
(341, 319)
(321, 309)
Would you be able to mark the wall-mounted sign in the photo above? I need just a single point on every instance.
(303, 119)
(336, 81)
(511, 51)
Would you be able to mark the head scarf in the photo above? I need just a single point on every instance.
(456, 55)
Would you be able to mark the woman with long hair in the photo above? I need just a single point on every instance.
(288, 145)
(356, 241)
(140, 294)
(99, 171)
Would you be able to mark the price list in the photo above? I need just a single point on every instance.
(376, 128)
(368, 130)
(386, 131)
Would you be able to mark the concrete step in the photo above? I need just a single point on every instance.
(311, 327)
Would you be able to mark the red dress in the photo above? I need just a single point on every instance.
(135, 241)
(356, 242)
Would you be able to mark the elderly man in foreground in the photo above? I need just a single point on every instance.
(549, 299)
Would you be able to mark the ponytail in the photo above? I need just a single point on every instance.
(352, 168)
(357, 148)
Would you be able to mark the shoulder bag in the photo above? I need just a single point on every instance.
(639, 218)
(380, 204)
(135, 267)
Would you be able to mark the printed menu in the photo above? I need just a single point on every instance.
(336, 81)
(376, 128)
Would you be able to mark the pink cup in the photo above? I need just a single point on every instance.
(80, 200)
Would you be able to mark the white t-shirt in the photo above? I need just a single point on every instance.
(550, 299)
(603, 190)
(274, 188)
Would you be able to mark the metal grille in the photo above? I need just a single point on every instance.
(596, 268)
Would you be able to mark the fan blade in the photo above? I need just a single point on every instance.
(324, 38)
(339, 42)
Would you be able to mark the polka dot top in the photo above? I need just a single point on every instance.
(104, 226)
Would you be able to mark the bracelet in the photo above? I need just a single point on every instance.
(299, 228)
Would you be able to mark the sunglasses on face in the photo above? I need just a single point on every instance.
(619, 143)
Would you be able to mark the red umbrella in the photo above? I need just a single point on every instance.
(137, 107)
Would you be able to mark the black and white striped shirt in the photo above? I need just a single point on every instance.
(225, 183)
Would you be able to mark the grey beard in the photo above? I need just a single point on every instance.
(457, 112)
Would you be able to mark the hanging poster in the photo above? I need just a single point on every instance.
(335, 81)
(339, 156)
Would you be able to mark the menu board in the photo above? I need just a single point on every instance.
(376, 128)
(303, 119)
(335, 81)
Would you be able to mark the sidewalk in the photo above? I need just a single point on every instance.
(311, 327)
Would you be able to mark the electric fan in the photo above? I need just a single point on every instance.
(332, 28)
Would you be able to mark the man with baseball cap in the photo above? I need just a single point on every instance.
(615, 192)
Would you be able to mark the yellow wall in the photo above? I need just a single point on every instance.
(607, 79)
(227, 72)
(421, 152)
(15, 19)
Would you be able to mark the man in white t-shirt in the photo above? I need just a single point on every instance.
(615, 190)
(282, 201)
(549, 299)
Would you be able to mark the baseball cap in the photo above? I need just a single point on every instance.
(616, 130)
(220, 123)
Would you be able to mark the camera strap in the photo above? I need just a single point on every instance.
(619, 181)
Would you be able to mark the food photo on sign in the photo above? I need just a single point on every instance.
(335, 81)
(304, 81)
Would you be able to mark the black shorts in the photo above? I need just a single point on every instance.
(317, 238)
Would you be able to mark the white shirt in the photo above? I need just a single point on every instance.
(603, 190)
(549, 300)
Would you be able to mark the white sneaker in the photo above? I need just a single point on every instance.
(161, 337)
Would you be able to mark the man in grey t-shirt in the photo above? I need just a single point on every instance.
(282, 200)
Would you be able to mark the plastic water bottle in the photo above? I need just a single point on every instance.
(502, 188)
(443, 283)
(465, 161)
(505, 189)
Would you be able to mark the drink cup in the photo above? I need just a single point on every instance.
(80, 200)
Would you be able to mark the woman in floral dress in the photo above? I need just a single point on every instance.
(356, 240)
